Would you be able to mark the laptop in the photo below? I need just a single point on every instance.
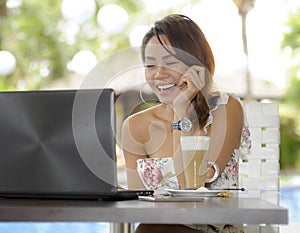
(59, 144)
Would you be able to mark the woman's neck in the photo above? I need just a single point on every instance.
(165, 112)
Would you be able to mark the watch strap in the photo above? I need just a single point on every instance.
(176, 125)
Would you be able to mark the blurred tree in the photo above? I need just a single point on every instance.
(290, 106)
(29, 32)
(2, 8)
(43, 42)
(292, 41)
(244, 6)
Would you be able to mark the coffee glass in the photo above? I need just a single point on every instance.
(194, 159)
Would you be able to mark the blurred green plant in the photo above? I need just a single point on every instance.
(30, 33)
(38, 35)
(290, 105)
(35, 32)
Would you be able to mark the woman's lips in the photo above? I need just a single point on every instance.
(165, 87)
(165, 90)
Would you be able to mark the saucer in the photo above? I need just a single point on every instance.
(202, 192)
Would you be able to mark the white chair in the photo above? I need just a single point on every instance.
(259, 169)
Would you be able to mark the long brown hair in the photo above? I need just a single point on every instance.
(186, 36)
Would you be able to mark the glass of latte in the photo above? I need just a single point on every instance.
(194, 160)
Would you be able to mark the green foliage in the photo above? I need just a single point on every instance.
(290, 140)
(35, 32)
(29, 32)
(290, 115)
(292, 37)
(293, 90)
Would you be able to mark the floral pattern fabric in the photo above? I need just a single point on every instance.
(229, 177)
(208, 228)
(157, 173)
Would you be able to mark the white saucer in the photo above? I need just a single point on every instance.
(195, 193)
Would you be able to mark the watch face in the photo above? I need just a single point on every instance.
(186, 125)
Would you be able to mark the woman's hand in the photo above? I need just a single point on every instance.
(191, 83)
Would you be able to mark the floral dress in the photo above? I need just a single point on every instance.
(159, 173)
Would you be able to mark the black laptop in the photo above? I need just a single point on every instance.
(59, 144)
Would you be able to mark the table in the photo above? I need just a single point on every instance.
(212, 210)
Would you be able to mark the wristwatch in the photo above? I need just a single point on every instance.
(185, 125)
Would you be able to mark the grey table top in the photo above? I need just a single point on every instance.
(212, 210)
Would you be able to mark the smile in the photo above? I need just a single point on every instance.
(165, 87)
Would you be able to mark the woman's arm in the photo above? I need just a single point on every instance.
(132, 150)
(225, 133)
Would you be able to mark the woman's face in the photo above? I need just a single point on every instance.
(162, 70)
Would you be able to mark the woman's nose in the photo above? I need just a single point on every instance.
(161, 72)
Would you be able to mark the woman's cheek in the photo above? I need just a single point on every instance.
(148, 74)
(150, 80)
(181, 68)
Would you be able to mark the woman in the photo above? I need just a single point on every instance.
(179, 65)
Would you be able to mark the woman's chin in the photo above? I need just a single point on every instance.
(167, 97)
(165, 102)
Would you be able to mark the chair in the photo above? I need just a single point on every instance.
(259, 169)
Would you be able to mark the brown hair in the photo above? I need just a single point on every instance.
(192, 48)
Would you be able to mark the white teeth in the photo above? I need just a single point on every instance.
(165, 87)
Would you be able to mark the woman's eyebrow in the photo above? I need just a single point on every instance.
(163, 58)
(149, 58)
(167, 56)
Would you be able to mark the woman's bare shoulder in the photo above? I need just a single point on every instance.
(234, 104)
(144, 115)
(234, 110)
(140, 121)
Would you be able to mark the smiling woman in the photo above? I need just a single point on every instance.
(179, 66)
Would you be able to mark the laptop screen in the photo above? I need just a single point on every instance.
(57, 143)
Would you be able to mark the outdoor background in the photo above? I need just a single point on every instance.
(54, 44)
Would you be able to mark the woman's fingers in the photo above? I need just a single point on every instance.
(196, 74)
(190, 84)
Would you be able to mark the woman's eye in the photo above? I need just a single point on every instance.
(171, 63)
(149, 66)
